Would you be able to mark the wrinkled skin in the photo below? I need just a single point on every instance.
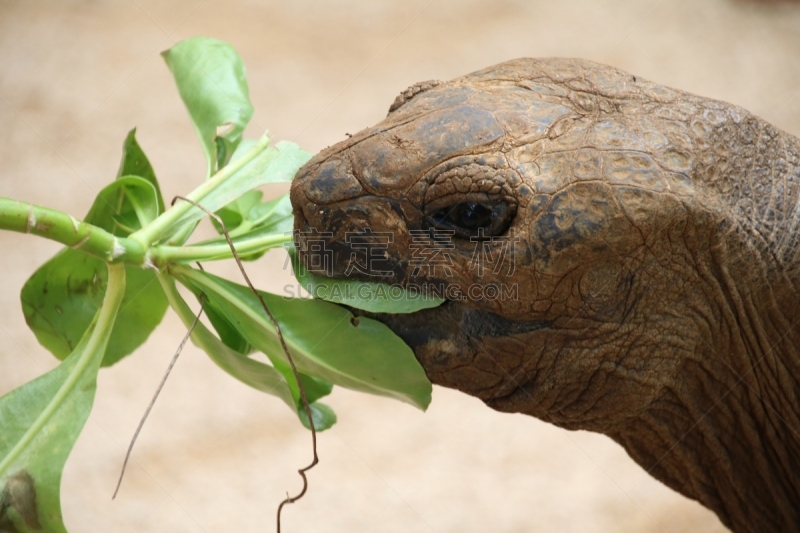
(656, 263)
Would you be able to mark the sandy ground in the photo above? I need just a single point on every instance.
(217, 456)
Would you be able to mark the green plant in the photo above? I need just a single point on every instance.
(121, 264)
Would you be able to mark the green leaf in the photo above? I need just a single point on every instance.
(323, 416)
(133, 199)
(286, 159)
(135, 163)
(276, 164)
(256, 374)
(268, 219)
(250, 217)
(124, 206)
(212, 83)
(236, 212)
(367, 295)
(227, 333)
(274, 216)
(326, 340)
(314, 388)
(40, 422)
(230, 336)
(63, 295)
(61, 298)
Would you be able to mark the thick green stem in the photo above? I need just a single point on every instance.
(152, 231)
(212, 252)
(61, 227)
(91, 356)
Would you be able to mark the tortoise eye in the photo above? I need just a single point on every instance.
(471, 216)
(471, 219)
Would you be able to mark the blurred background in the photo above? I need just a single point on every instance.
(75, 76)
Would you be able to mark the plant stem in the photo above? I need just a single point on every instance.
(89, 353)
(152, 231)
(212, 252)
(58, 226)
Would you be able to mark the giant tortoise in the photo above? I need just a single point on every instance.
(642, 245)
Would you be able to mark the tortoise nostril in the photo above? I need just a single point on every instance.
(331, 182)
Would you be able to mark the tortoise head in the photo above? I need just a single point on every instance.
(617, 256)
(555, 204)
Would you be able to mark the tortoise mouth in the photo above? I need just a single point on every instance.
(452, 321)
(417, 329)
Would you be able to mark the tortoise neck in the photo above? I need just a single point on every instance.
(726, 429)
(760, 191)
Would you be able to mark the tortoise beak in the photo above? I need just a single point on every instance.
(435, 335)
(335, 217)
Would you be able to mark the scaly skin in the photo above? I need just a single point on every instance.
(656, 266)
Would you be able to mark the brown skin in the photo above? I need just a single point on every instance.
(656, 265)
